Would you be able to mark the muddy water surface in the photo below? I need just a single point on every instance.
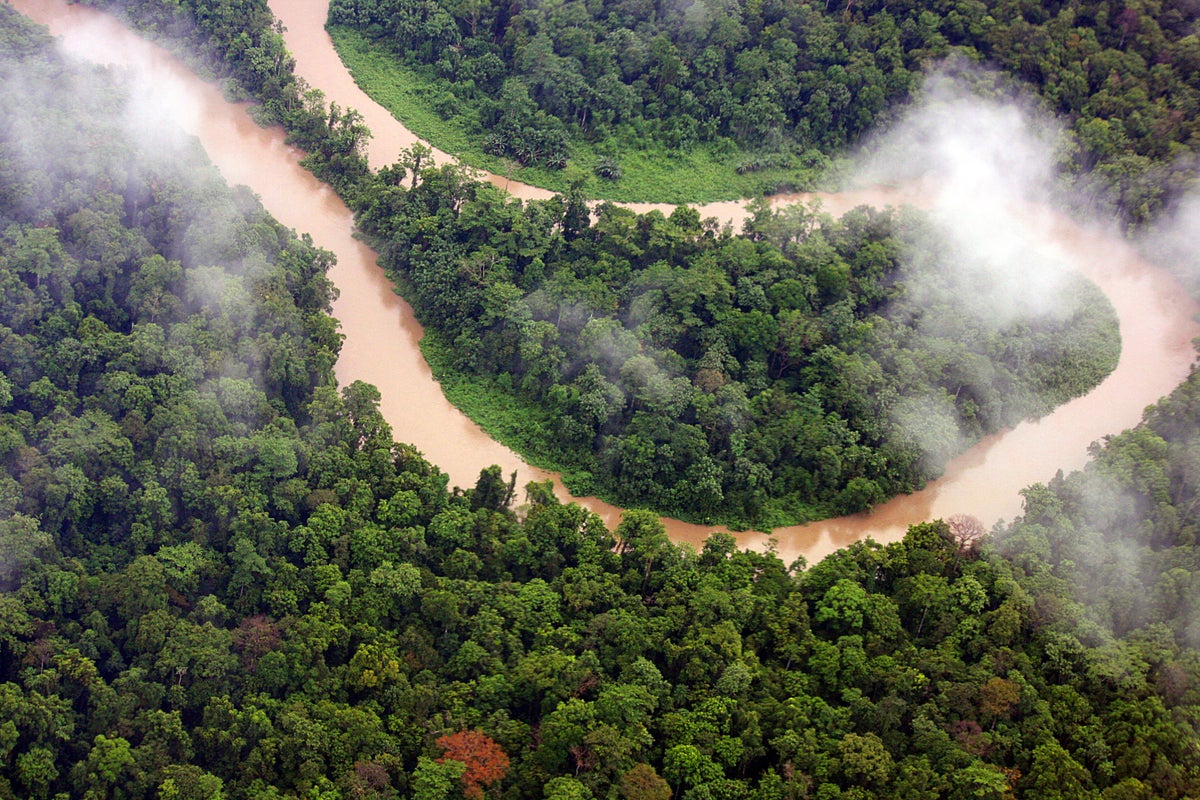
(1157, 323)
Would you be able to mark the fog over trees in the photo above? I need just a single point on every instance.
(221, 577)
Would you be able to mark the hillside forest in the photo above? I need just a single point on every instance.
(221, 577)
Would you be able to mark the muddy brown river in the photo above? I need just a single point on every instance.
(381, 345)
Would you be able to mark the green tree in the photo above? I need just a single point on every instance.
(1054, 774)
(436, 780)
(108, 767)
(187, 782)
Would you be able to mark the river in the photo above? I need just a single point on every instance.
(381, 344)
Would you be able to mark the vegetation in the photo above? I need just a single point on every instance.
(785, 376)
(220, 578)
(654, 170)
(807, 368)
(794, 377)
(782, 81)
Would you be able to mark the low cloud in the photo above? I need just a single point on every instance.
(1171, 241)
(988, 164)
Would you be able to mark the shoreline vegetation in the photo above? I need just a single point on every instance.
(781, 82)
(796, 372)
(645, 172)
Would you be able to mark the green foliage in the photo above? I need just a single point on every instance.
(708, 78)
(776, 88)
(808, 367)
(224, 579)
(646, 170)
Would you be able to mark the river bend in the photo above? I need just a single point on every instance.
(381, 345)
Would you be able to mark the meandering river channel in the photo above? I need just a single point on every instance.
(381, 346)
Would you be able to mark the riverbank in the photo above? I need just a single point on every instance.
(649, 173)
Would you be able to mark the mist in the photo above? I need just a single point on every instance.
(989, 159)
(116, 130)
(1171, 241)
(985, 160)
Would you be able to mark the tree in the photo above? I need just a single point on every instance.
(484, 761)
(844, 606)
(414, 159)
(435, 780)
(998, 697)
(1054, 775)
(22, 545)
(983, 781)
(254, 637)
(370, 779)
(36, 770)
(865, 760)
(685, 766)
(492, 491)
(564, 788)
(107, 766)
(966, 532)
(642, 782)
(189, 782)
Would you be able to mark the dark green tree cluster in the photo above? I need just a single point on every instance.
(792, 372)
(772, 77)
(790, 76)
(219, 578)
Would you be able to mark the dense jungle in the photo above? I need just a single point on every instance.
(220, 576)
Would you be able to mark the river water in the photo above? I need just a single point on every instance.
(381, 344)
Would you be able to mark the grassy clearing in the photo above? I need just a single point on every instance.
(650, 173)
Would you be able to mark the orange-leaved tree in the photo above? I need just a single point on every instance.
(485, 762)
